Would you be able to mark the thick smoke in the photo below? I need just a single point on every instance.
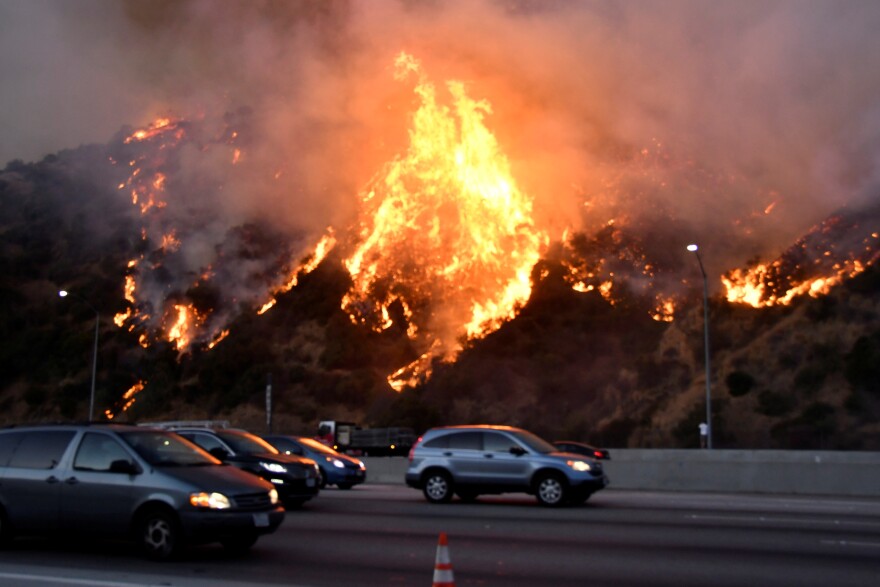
(737, 124)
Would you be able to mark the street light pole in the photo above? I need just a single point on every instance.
(695, 250)
(63, 294)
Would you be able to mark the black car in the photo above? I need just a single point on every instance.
(297, 479)
(581, 448)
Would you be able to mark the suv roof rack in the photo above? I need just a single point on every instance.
(171, 425)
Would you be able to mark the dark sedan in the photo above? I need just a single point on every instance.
(295, 478)
(336, 469)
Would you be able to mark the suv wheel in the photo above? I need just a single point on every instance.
(550, 489)
(158, 535)
(438, 487)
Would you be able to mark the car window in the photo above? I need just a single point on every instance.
(160, 448)
(536, 443)
(439, 442)
(466, 440)
(497, 442)
(41, 450)
(206, 441)
(97, 451)
(242, 442)
(8, 442)
(317, 446)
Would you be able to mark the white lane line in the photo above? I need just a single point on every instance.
(69, 581)
(851, 543)
(767, 519)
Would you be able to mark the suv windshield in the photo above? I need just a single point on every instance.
(166, 449)
(245, 443)
(535, 443)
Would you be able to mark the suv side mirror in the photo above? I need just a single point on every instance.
(124, 466)
(517, 450)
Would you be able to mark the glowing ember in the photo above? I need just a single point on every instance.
(127, 399)
(443, 228)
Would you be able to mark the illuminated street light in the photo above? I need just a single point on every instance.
(64, 294)
(696, 250)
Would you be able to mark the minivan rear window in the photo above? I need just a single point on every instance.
(41, 449)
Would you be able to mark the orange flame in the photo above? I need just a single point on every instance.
(127, 399)
(444, 229)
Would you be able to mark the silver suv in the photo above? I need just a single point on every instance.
(110, 480)
(474, 460)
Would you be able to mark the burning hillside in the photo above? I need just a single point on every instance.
(841, 247)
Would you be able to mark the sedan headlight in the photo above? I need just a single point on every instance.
(273, 467)
(213, 501)
(336, 463)
(580, 465)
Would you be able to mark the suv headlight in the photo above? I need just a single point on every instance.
(580, 465)
(213, 501)
(273, 467)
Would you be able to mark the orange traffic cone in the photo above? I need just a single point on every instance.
(442, 565)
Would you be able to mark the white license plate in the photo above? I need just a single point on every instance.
(261, 520)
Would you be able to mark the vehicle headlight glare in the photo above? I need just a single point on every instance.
(580, 465)
(338, 464)
(273, 496)
(213, 501)
(273, 467)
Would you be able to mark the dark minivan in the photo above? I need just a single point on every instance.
(112, 480)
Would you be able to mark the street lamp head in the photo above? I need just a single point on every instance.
(63, 293)
(693, 248)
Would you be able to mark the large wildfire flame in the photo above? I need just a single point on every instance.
(444, 230)
(443, 246)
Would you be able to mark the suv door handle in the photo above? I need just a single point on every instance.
(52, 479)
(71, 480)
(489, 455)
(447, 454)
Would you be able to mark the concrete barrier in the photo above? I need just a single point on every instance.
(750, 471)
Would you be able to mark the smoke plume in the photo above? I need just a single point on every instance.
(735, 124)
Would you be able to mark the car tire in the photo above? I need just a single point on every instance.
(239, 544)
(344, 485)
(6, 533)
(551, 489)
(437, 487)
(322, 479)
(158, 535)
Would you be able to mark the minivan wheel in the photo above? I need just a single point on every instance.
(438, 487)
(159, 535)
(550, 489)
